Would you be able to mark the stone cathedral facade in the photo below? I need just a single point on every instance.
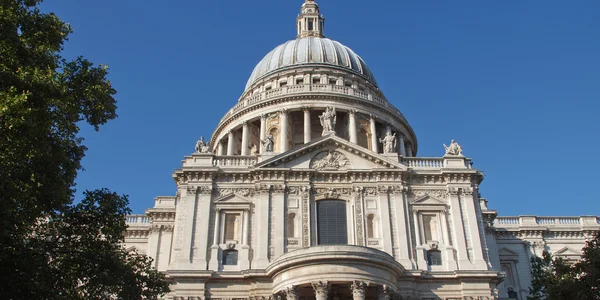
(311, 188)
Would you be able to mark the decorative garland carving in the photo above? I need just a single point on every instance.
(440, 194)
(359, 215)
(305, 217)
(244, 192)
(371, 191)
(332, 193)
(330, 160)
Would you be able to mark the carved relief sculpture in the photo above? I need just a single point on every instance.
(328, 119)
(330, 160)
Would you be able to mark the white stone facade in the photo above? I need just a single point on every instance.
(275, 206)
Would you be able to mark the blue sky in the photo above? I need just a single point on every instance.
(516, 83)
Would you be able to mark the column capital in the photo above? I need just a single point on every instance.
(372, 117)
(352, 111)
(359, 289)
(306, 108)
(264, 116)
(245, 123)
(321, 288)
(291, 292)
(283, 111)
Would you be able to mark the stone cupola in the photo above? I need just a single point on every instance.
(310, 22)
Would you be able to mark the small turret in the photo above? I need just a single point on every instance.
(310, 22)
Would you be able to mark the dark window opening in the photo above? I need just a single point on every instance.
(332, 81)
(230, 257)
(434, 258)
(331, 222)
(310, 24)
(316, 80)
(300, 81)
(283, 83)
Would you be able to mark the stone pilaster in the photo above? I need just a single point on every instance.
(459, 230)
(263, 198)
(189, 204)
(278, 196)
(202, 242)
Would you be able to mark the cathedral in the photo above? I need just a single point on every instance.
(311, 188)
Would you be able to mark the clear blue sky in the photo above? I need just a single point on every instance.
(517, 83)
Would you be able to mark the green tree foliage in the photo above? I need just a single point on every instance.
(555, 279)
(51, 248)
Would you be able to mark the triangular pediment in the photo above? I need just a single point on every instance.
(508, 255)
(566, 251)
(331, 153)
(428, 200)
(232, 199)
(506, 252)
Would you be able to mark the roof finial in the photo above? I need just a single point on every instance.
(310, 22)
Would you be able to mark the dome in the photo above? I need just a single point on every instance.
(311, 50)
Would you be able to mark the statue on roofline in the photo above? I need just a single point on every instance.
(328, 119)
(453, 149)
(202, 146)
(389, 142)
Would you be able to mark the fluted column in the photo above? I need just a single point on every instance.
(359, 289)
(352, 127)
(402, 146)
(291, 293)
(230, 143)
(374, 145)
(263, 131)
(321, 289)
(283, 135)
(307, 128)
(245, 138)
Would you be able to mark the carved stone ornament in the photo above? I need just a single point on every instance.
(389, 142)
(359, 215)
(305, 217)
(454, 149)
(330, 160)
(244, 192)
(291, 292)
(359, 288)
(440, 194)
(321, 288)
(332, 193)
(202, 146)
(328, 120)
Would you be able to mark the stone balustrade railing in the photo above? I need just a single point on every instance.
(137, 220)
(234, 161)
(546, 221)
(424, 162)
(306, 88)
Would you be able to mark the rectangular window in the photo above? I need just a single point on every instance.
(310, 24)
(430, 225)
(230, 257)
(316, 80)
(331, 222)
(231, 227)
(300, 81)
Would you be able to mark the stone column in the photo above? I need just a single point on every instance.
(217, 225)
(321, 289)
(402, 146)
(220, 150)
(230, 142)
(384, 293)
(263, 131)
(388, 129)
(283, 135)
(291, 293)
(374, 144)
(409, 150)
(245, 138)
(352, 127)
(359, 290)
(307, 128)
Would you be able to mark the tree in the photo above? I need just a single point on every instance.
(51, 248)
(556, 279)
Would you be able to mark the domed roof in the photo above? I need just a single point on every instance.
(310, 51)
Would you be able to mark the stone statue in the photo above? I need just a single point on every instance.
(253, 149)
(328, 119)
(389, 142)
(268, 143)
(202, 147)
(453, 149)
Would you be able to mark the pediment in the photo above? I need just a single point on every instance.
(232, 201)
(566, 251)
(507, 254)
(428, 200)
(331, 153)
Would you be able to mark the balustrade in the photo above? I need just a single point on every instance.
(546, 221)
(137, 219)
(424, 162)
(234, 161)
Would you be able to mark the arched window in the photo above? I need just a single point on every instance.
(434, 258)
(371, 229)
(332, 228)
(291, 225)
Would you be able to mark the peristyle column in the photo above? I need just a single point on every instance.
(374, 145)
(307, 129)
(359, 289)
(283, 135)
(402, 146)
(321, 289)
(245, 138)
(230, 143)
(409, 150)
(291, 293)
(263, 131)
(220, 149)
(352, 126)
